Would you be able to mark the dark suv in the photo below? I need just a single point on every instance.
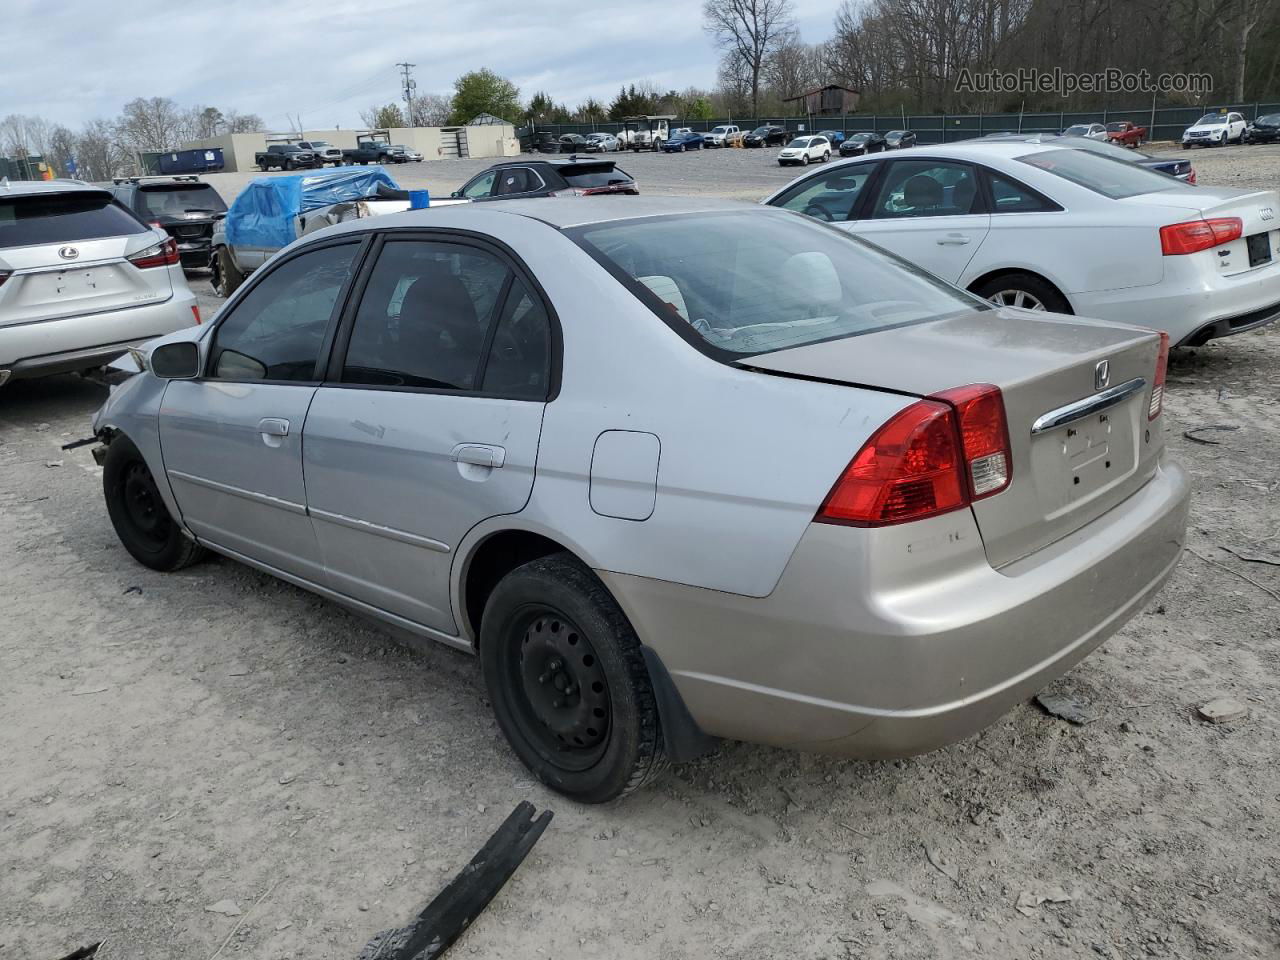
(769, 135)
(568, 176)
(186, 208)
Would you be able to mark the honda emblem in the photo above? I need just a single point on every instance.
(1266, 213)
(1102, 375)
(68, 253)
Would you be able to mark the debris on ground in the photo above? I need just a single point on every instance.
(1029, 900)
(228, 908)
(1273, 561)
(1222, 710)
(1068, 700)
(949, 870)
(445, 918)
(1193, 433)
(84, 953)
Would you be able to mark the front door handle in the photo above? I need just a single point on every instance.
(480, 454)
(273, 430)
(956, 239)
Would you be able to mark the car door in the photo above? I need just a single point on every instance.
(429, 421)
(1237, 126)
(232, 439)
(928, 211)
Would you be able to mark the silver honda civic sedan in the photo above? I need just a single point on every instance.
(676, 470)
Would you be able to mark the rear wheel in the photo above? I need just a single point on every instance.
(1023, 290)
(826, 155)
(568, 683)
(138, 513)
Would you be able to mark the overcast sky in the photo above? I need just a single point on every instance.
(72, 61)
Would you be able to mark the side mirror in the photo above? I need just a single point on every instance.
(456, 195)
(175, 361)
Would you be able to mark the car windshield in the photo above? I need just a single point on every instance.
(744, 283)
(1211, 118)
(800, 142)
(316, 144)
(1116, 127)
(1271, 119)
(760, 130)
(1105, 175)
(160, 201)
(62, 218)
(860, 137)
(1079, 130)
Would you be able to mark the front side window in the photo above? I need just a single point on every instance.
(830, 196)
(424, 318)
(926, 188)
(276, 330)
(481, 186)
(751, 282)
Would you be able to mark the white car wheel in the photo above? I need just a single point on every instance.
(804, 159)
(1016, 298)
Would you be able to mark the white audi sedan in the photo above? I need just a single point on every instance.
(1044, 227)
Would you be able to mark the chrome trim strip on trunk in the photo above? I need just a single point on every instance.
(287, 505)
(391, 533)
(1088, 406)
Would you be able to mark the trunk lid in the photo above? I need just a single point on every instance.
(1062, 476)
(1259, 244)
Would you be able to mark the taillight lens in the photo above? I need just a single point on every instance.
(163, 254)
(1195, 235)
(984, 436)
(937, 455)
(1157, 390)
(195, 312)
(4, 275)
(1191, 177)
(908, 469)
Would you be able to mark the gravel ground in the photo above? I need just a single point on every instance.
(170, 743)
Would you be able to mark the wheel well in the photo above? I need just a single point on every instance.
(1010, 271)
(494, 559)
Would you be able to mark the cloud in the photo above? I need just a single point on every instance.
(327, 60)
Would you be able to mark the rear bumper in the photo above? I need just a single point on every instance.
(891, 642)
(1191, 304)
(48, 347)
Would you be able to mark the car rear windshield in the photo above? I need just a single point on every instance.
(173, 201)
(63, 218)
(595, 176)
(742, 283)
(1105, 175)
(1271, 120)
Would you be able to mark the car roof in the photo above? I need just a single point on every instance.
(18, 188)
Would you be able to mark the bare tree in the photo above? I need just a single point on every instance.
(793, 68)
(151, 123)
(750, 30)
(430, 110)
(235, 122)
(22, 136)
(61, 150)
(99, 153)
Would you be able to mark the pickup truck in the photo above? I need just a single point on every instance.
(721, 135)
(325, 151)
(368, 151)
(285, 156)
(1126, 134)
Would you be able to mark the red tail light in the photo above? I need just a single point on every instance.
(164, 254)
(935, 456)
(195, 312)
(984, 435)
(1191, 177)
(1157, 390)
(4, 275)
(1196, 235)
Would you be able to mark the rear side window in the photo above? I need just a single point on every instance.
(594, 176)
(179, 201)
(1116, 179)
(1010, 196)
(63, 218)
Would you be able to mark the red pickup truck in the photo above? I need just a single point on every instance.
(1125, 133)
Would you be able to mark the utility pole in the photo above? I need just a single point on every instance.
(409, 86)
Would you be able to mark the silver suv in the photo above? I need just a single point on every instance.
(81, 279)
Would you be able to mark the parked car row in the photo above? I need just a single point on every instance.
(313, 154)
(680, 139)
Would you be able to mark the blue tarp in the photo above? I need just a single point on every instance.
(263, 213)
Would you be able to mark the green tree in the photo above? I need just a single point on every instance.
(698, 108)
(383, 118)
(540, 108)
(483, 91)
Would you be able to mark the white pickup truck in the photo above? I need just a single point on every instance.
(718, 135)
(325, 151)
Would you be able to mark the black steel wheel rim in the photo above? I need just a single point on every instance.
(143, 507)
(560, 689)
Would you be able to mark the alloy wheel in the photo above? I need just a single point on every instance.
(1016, 298)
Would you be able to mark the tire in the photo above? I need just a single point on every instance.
(227, 277)
(138, 514)
(1024, 290)
(549, 627)
(826, 155)
(804, 159)
(1186, 146)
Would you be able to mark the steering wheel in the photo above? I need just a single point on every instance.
(819, 212)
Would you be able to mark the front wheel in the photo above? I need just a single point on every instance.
(568, 682)
(138, 513)
(804, 159)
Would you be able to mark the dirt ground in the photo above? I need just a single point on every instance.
(171, 743)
